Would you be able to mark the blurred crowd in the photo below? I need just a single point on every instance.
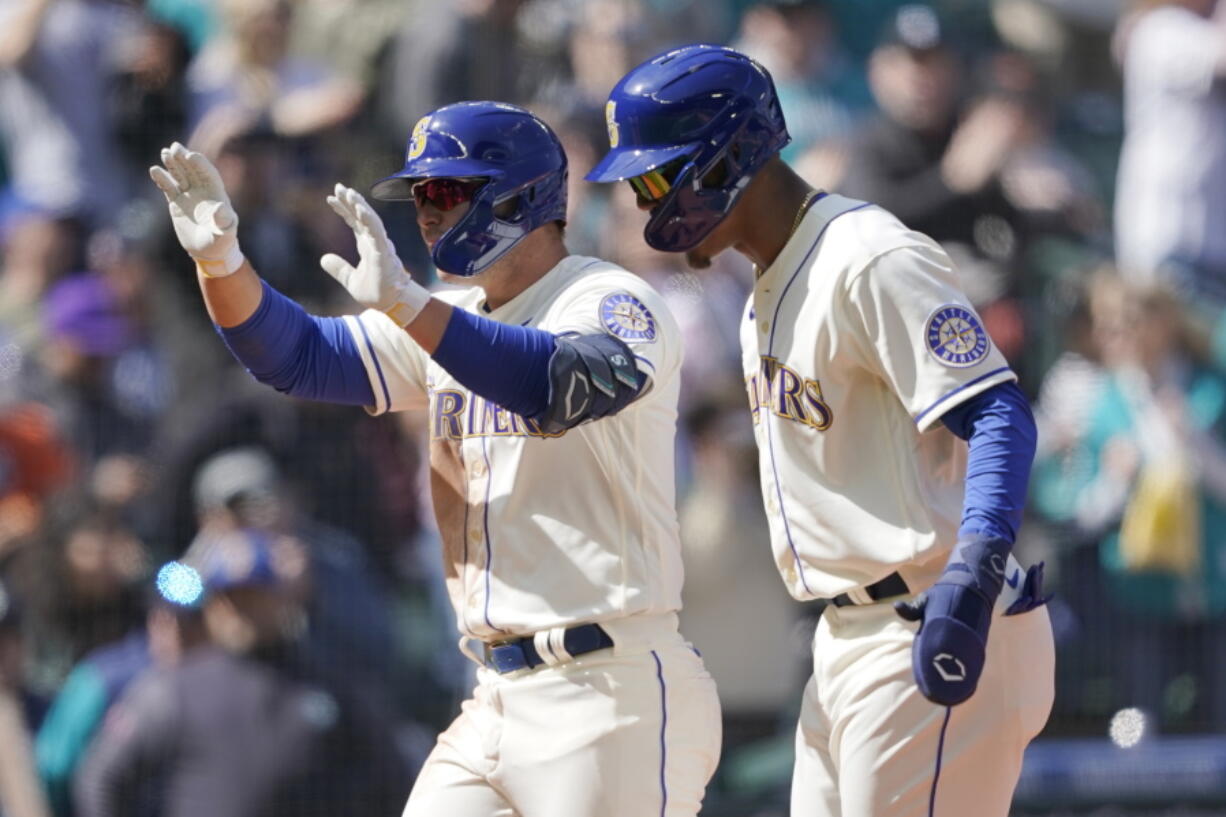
(219, 600)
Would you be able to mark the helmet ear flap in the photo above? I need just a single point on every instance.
(508, 210)
(514, 208)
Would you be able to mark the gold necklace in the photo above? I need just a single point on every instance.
(800, 215)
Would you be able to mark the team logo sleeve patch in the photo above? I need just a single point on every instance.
(627, 317)
(955, 337)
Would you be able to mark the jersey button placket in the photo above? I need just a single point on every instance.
(478, 473)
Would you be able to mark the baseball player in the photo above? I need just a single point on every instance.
(551, 382)
(894, 451)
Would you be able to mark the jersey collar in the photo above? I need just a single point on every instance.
(804, 238)
(523, 306)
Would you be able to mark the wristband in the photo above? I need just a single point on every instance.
(411, 299)
(221, 267)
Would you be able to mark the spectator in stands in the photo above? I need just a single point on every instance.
(243, 727)
(245, 81)
(1171, 190)
(172, 627)
(347, 615)
(1157, 501)
(21, 709)
(81, 585)
(56, 60)
(37, 463)
(936, 169)
(822, 92)
(35, 251)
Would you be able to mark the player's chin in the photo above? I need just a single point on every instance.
(700, 257)
(452, 278)
(697, 259)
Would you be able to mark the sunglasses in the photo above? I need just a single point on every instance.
(445, 194)
(655, 184)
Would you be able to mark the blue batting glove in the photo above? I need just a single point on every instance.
(954, 616)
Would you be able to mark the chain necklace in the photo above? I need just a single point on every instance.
(800, 215)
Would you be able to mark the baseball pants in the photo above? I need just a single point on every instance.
(632, 731)
(869, 744)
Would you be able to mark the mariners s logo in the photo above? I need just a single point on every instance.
(627, 317)
(417, 142)
(955, 337)
(614, 134)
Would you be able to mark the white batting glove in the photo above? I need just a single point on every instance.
(200, 209)
(379, 280)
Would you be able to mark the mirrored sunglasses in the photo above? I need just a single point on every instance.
(655, 184)
(445, 194)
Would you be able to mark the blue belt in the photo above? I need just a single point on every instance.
(520, 653)
(891, 585)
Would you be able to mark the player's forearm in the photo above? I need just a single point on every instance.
(999, 429)
(304, 355)
(428, 328)
(234, 298)
(559, 381)
(507, 365)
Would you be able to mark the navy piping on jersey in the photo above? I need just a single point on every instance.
(919, 417)
(370, 347)
(770, 440)
(663, 727)
(936, 775)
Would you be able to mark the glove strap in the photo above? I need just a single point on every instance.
(979, 561)
(221, 267)
(411, 299)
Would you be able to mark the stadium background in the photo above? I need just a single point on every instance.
(116, 395)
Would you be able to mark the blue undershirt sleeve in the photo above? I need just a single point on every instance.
(507, 365)
(304, 355)
(1000, 431)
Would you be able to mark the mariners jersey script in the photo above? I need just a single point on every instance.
(855, 342)
(544, 531)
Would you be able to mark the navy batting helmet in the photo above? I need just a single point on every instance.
(516, 158)
(688, 128)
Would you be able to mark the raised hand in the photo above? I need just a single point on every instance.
(204, 220)
(379, 280)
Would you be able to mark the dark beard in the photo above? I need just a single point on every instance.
(697, 260)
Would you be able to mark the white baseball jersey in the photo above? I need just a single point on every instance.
(546, 531)
(855, 341)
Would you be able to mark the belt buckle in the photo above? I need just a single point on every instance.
(504, 661)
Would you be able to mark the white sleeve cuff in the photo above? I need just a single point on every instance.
(366, 350)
